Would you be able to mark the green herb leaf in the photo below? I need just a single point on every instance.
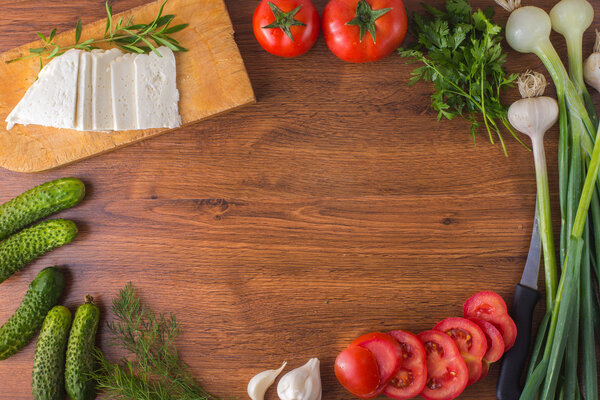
(52, 34)
(174, 29)
(108, 19)
(135, 27)
(133, 48)
(41, 35)
(166, 43)
(37, 50)
(78, 32)
(54, 52)
(164, 20)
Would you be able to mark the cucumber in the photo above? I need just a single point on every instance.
(38, 203)
(80, 356)
(22, 248)
(42, 295)
(49, 359)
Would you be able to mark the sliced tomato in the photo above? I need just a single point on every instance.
(357, 370)
(485, 368)
(470, 340)
(490, 307)
(387, 352)
(495, 342)
(447, 373)
(410, 379)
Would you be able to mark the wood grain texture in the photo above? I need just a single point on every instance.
(211, 78)
(335, 206)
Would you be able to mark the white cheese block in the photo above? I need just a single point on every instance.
(156, 91)
(84, 92)
(122, 76)
(51, 100)
(102, 118)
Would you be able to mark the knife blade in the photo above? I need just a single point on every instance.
(525, 298)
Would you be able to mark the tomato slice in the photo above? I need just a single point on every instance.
(447, 373)
(357, 370)
(490, 307)
(485, 368)
(410, 379)
(495, 342)
(470, 340)
(387, 352)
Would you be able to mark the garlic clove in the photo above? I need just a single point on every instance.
(259, 383)
(303, 383)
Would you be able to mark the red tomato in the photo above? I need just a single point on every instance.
(447, 373)
(356, 369)
(364, 30)
(471, 342)
(387, 352)
(410, 379)
(286, 28)
(495, 348)
(490, 307)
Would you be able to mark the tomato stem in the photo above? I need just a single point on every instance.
(366, 17)
(284, 20)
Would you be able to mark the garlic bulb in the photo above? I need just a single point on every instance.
(259, 384)
(591, 66)
(534, 114)
(302, 383)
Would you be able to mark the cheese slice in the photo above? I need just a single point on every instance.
(84, 92)
(51, 100)
(122, 76)
(156, 91)
(102, 110)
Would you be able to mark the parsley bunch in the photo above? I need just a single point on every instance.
(463, 57)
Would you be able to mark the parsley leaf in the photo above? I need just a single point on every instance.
(462, 56)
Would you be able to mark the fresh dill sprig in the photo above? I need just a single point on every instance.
(156, 372)
(126, 35)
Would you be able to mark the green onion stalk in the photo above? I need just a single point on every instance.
(571, 18)
(571, 305)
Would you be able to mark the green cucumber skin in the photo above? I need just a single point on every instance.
(80, 356)
(49, 360)
(42, 295)
(39, 202)
(22, 248)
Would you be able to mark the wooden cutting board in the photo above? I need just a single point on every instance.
(211, 79)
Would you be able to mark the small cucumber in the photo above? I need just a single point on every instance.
(42, 295)
(80, 352)
(22, 248)
(38, 203)
(49, 360)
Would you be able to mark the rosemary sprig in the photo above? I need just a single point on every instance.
(126, 35)
(157, 372)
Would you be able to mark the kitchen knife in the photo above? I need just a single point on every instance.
(524, 301)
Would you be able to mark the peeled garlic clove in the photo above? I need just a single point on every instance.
(302, 383)
(259, 384)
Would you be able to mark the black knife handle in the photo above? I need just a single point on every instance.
(513, 362)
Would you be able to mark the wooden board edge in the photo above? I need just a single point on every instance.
(38, 170)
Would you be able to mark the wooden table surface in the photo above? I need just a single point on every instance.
(335, 206)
